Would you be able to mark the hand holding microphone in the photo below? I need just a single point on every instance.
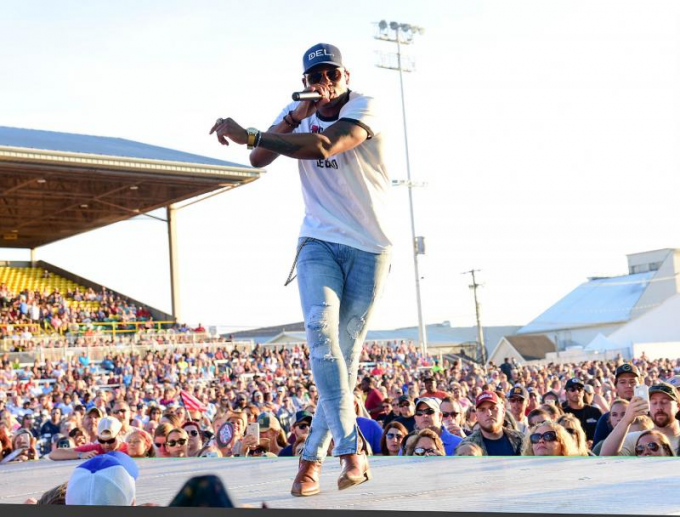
(307, 96)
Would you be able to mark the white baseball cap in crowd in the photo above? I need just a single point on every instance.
(108, 427)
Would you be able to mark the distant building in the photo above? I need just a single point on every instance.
(522, 349)
(441, 337)
(600, 309)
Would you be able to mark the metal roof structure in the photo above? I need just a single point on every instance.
(596, 302)
(438, 334)
(56, 185)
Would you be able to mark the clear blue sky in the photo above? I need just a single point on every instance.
(546, 130)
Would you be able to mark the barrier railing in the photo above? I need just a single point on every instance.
(44, 331)
(124, 347)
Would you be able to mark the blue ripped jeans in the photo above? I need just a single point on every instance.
(338, 287)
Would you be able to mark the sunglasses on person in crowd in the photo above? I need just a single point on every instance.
(404, 404)
(332, 75)
(570, 430)
(193, 432)
(173, 443)
(548, 436)
(576, 388)
(420, 451)
(394, 436)
(260, 451)
(110, 441)
(652, 446)
(422, 412)
(159, 445)
(303, 426)
(450, 414)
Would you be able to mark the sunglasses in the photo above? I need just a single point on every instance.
(193, 432)
(303, 426)
(394, 436)
(173, 443)
(110, 441)
(570, 430)
(159, 445)
(575, 388)
(424, 452)
(652, 446)
(332, 75)
(404, 404)
(450, 414)
(423, 412)
(549, 436)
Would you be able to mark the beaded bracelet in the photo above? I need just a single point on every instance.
(292, 122)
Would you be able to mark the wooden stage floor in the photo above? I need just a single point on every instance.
(546, 485)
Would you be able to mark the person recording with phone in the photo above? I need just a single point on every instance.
(343, 252)
(661, 405)
(626, 377)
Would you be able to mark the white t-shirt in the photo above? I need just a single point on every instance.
(345, 196)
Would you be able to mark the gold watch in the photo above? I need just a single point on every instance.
(253, 135)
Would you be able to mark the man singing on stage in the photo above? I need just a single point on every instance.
(343, 254)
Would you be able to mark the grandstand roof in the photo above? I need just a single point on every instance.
(56, 185)
(596, 302)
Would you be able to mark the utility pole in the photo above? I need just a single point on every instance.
(480, 330)
(403, 34)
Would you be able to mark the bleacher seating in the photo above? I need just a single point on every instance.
(19, 279)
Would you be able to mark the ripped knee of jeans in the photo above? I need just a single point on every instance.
(318, 325)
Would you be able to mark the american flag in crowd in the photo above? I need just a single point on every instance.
(191, 402)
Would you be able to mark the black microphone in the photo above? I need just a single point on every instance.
(307, 96)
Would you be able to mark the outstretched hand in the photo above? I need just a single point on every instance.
(227, 129)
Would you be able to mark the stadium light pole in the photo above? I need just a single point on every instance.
(403, 33)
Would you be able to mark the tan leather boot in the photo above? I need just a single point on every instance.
(355, 468)
(307, 480)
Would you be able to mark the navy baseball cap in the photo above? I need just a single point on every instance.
(574, 382)
(321, 54)
(626, 368)
(518, 391)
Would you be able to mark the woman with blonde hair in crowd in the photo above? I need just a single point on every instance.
(549, 439)
(425, 443)
(470, 420)
(573, 426)
(469, 449)
(653, 443)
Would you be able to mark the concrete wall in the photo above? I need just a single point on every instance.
(657, 350)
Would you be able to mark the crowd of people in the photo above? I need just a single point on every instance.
(222, 402)
(74, 311)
